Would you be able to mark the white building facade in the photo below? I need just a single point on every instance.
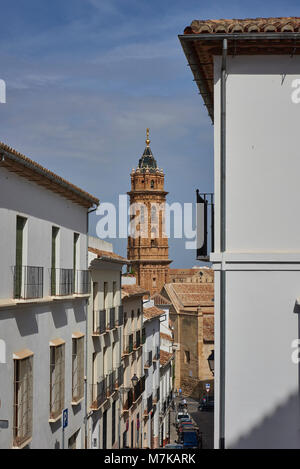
(43, 305)
(105, 335)
(152, 397)
(253, 97)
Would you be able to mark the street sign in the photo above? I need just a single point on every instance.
(207, 386)
(65, 419)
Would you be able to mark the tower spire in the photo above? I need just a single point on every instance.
(147, 139)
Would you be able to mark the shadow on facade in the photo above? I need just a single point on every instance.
(281, 428)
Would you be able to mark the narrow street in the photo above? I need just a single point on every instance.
(204, 420)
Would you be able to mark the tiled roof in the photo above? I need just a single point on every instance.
(159, 299)
(152, 312)
(132, 290)
(208, 329)
(25, 167)
(246, 25)
(166, 336)
(109, 256)
(188, 295)
(165, 357)
(270, 36)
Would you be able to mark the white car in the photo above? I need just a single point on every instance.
(182, 416)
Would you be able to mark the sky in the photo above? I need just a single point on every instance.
(85, 78)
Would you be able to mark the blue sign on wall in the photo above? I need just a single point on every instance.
(65, 418)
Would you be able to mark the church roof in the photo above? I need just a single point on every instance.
(147, 161)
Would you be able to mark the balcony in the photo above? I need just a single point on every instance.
(127, 344)
(111, 319)
(156, 355)
(143, 335)
(138, 389)
(28, 282)
(148, 360)
(110, 388)
(127, 404)
(120, 320)
(83, 282)
(98, 394)
(156, 396)
(137, 343)
(118, 377)
(148, 405)
(62, 282)
(99, 325)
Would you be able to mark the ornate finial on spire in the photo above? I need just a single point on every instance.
(147, 139)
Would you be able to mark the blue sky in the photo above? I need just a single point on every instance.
(86, 77)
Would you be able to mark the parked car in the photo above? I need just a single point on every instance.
(207, 403)
(186, 424)
(189, 439)
(181, 416)
(173, 446)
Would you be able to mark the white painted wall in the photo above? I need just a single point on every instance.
(33, 325)
(262, 259)
(43, 209)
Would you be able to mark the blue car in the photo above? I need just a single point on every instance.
(189, 439)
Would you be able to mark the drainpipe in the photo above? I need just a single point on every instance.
(223, 248)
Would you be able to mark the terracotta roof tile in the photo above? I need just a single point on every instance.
(160, 299)
(166, 336)
(152, 312)
(200, 53)
(106, 255)
(13, 157)
(132, 290)
(245, 25)
(165, 357)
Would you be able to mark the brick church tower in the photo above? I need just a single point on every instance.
(147, 245)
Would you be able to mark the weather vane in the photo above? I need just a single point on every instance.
(147, 139)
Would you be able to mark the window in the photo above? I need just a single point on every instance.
(75, 257)
(154, 281)
(152, 184)
(53, 259)
(114, 292)
(113, 423)
(57, 378)
(77, 367)
(19, 256)
(105, 292)
(187, 356)
(23, 386)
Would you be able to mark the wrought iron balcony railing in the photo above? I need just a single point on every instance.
(28, 282)
(112, 316)
(120, 319)
(143, 335)
(118, 376)
(110, 388)
(157, 354)
(62, 282)
(148, 359)
(98, 394)
(128, 344)
(83, 282)
(137, 343)
(156, 396)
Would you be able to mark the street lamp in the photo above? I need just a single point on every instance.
(211, 361)
(134, 380)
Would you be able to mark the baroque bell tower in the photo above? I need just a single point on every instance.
(148, 247)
